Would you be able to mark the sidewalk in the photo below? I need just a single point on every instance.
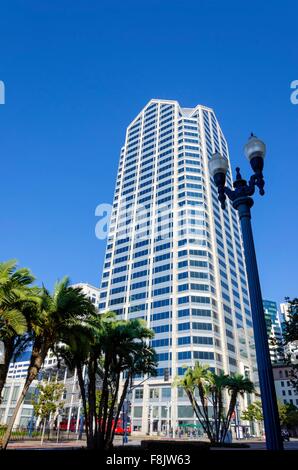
(254, 444)
(47, 445)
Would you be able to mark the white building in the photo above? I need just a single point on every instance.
(175, 259)
(90, 291)
(291, 349)
(285, 391)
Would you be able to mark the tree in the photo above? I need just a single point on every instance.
(112, 352)
(47, 321)
(78, 349)
(48, 402)
(16, 293)
(237, 384)
(288, 415)
(199, 382)
(125, 354)
(291, 336)
(253, 412)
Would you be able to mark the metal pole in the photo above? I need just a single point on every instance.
(124, 420)
(269, 403)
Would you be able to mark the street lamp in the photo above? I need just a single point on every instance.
(242, 201)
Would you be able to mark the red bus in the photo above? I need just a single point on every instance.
(119, 427)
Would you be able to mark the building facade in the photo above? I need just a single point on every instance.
(274, 331)
(175, 259)
(285, 391)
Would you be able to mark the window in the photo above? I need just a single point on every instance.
(25, 417)
(154, 393)
(5, 395)
(29, 396)
(138, 393)
(184, 355)
(137, 411)
(15, 394)
(185, 411)
(183, 340)
(166, 392)
(203, 355)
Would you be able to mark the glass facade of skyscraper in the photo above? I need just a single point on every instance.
(175, 259)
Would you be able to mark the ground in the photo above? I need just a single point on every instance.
(74, 444)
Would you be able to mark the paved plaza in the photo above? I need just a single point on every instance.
(75, 444)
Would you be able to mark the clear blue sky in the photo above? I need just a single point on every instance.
(77, 72)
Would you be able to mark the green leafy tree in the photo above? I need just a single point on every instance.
(253, 412)
(237, 385)
(204, 388)
(124, 353)
(47, 402)
(291, 336)
(110, 350)
(47, 323)
(288, 415)
(16, 293)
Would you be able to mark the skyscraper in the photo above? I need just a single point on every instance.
(175, 259)
(274, 331)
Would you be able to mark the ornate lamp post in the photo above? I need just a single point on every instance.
(242, 201)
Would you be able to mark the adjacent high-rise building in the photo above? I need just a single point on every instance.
(175, 259)
(274, 331)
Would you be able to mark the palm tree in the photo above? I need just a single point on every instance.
(197, 378)
(47, 322)
(237, 384)
(210, 388)
(216, 386)
(79, 346)
(15, 293)
(126, 353)
(141, 361)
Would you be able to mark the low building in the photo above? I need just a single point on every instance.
(285, 391)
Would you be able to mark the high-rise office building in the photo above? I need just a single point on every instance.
(175, 259)
(274, 331)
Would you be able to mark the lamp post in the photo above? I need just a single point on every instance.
(242, 201)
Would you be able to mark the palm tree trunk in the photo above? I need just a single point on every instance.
(92, 404)
(103, 421)
(120, 405)
(231, 409)
(38, 355)
(103, 402)
(108, 438)
(84, 400)
(204, 400)
(8, 431)
(220, 415)
(43, 432)
(198, 413)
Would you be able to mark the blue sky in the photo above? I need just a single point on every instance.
(77, 72)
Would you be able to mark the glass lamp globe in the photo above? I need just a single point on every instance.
(254, 148)
(218, 164)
